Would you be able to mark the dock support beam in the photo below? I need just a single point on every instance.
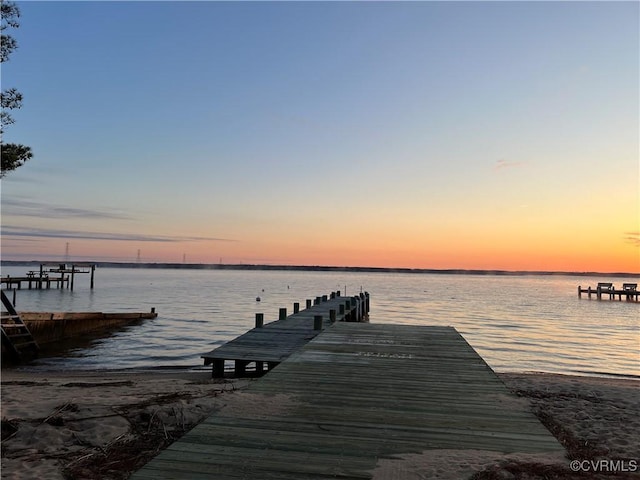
(218, 368)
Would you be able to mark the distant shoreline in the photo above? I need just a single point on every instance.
(319, 268)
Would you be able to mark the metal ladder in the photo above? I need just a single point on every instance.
(17, 340)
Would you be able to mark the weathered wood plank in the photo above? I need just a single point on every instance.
(355, 394)
(277, 340)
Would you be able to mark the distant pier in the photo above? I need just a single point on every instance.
(606, 290)
(57, 274)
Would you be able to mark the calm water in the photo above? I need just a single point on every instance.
(517, 323)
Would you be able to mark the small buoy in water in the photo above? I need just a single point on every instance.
(257, 299)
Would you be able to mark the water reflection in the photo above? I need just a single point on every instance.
(516, 323)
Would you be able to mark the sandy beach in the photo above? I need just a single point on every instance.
(105, 425)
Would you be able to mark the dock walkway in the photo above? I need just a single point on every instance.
(356, 399)
(269, 344)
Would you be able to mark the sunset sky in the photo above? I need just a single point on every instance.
(471, 135)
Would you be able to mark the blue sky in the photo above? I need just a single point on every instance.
(439, 131)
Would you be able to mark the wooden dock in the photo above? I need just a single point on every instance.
(360, 399)
(266, 345)
(51, 327)
(629, 291)
(43, 278)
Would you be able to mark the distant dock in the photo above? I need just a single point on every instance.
(629, 291)
(57, 274)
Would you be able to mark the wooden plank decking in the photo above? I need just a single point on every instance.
(273, 342)
(355, 397)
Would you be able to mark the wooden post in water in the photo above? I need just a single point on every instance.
(259, 320)
(324, 298)
(332, 315)
(338, 293)
(283, 314)
(73, 273)
(93, 269)
(341, 311)
(308, 303)
(347, 309)
(579, 291)
(317, 322)
(296, 307)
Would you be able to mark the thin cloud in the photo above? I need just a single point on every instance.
(632, 238)
(502, 164)
(29, 208)
(12, 231)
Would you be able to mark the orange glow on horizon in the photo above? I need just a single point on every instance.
(437, 257)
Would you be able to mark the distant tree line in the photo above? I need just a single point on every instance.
(13, 155)
(326, 268)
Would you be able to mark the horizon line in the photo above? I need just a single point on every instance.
(370, 269)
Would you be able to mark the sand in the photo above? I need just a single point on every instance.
(101, 425)
(105, 425)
